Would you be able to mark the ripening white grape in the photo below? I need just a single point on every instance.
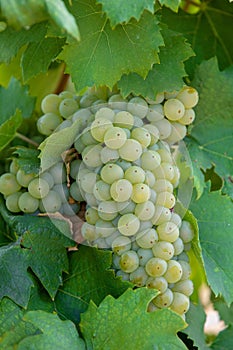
(124, 119)
(158, 283)
(14, 167)
(8, 184)
(110, 238)
(138, 122)
(107, 210)
(165, 199)
(138, 277)
(163, 250)
(185, 287)
(131, 150)
(66, 94)
(124, 275)
(38, 188)
(99, 127)
(161, 215)
(124, 164)
(145, 211)
(168, 231)
(111, 172)
(150, 178)
(88, 232)
(141, 135)
(87, 100)
(128, 224)
(47, 123)
(86, 137)
(121, 190)
(178, 246)
(129, 261)
(180, 303)
(104, 228)
(117, 102)
(91, 216)
(51, 203)
(164, 171)
(178, 133)
(153, 196)
(50, 104)
(63, 191)
(141, 193)
(165, 153)
(155, 113)
(67, 107)
(58, 173)
(174, 271)
(69, 209)
(91, 155)
(137, 106)
(12, 202)
(115, 137)
(126, 207)
(164, 127)
(48, 178)
(75, 192)
(144, 255)
(163, 185)
(121, 245)
(174, 109)
(186, 269)
(101, 191)
(186, 231)
(82, 114)
(147, 238)
(24, 179)
(27, 203)
(135, 174)
(176, 179)
(105, 113)
(156, 267)
(188, 117)
(176, 219)
(150, 160)
(164, 300)
(87, 182)
(188, 96)
(154, 133)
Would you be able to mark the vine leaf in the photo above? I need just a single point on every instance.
(224, 340)
(122, 11)
(9, 128)
(98, 59)
(205, 31)
(129, 323)
(165, 76)
(172, 4)
(214, 215)
(211, 136)
(92, 266)
(27, 159)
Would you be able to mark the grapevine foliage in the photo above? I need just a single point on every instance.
(51, 296)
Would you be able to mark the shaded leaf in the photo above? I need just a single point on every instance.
(27, 159)
(90, 278)
(224, 340)
(172, 4)
(129, 323)
(225, 311)
(9, 128)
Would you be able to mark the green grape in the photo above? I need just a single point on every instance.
(163, 185)
(165, 199)
(147, 238)
(105, 113)
(188, 96)
(150, 178)
(115, 137)
(48, 178)
(104, 228)
(9, 184)
(164, 127)
(144, 225)
(121, 190)
(138, 106)
(176, 179)
(69, 209)
(38, 188)
(145, 211)
(111, 172)
(75, 192)
(99, 127)
(138, 277)
(176, 219)
(91, 156)
(117, 102)
(14, 167)
(144, 255)
(156, 267)
(88, 182)
(129, 261)
(170, 94)
(63, 191)
(186, 231)
(159, 283)
(164, 300)
(48, 123)
(151, 307)
(82, 114)
(67, 107)
(124, 119)
(178, 246)
(168, 231)
(108, 155)
(180, 303)
(164, 171)
(153, 196)
(128, 224)
(51, 203)
(186, 269)
(58, 173)
(124, 276)
(88, 232)
(126, 207)
(155, 113)
(74, 168)
(141, 135)
(138, 122)
(50, 104)
(90, 200)
(141, 193)
(87, 138)
(66, 94)
(121, 245)
(12, 202)
(185, 287)
(107, 210)
(24, 179)
(188, 117)
(87, 100)
(27, 203)
(65, 124)
(161, 215)
(91, 215)
(150, 160)
(101, 191)
(174, 109)
(163, 250)
(174, 271)
(79, 145)
(109, 239)
(154, 133)
(183, 256)
(131, 150)
(124, 164)
(178, 133)
(165, 154)
(135, 174)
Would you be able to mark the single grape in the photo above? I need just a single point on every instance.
(90, 200)
(178, 246)
(67, 107)
(141, 135)
(91, 215)
(178, 133)
(129, 261)
(74, 168)
(79, 145)
(51, 203)
(164, 127)
(156, 267)
(163, 185)
(48, 178)
(180, 303)
(138, 277)
(47, 123)
(174, 109)
(9, 184)
(50, 104)
(124, 276)
(176, 179)
(185, 287)
(108, 155)
(121, 245)
(165, 153)
(141, 193)
(174, 271)
(87, 100)
(145, 211)
(24, 179)
(188, 117)
(165, 199)
(14, 167)
(188, 96)
(88, 182)
(27, 203)
(124, 119)
(121, 190)
(111, 172)
(58, 172)
(75, 192)
(144, 255)
(116, 101)
(186, 231)
(124, 164)
(150, 160)
(147, 238)
(38, 188)
(101, 191)
(176, 219)
(91, 156)
(104, 228)
(99, 127)
(155, 113)
(154, 133)
(128, 224)
(135, 174)
(12, 202)
(163, 250)
(131, 150)
(63, 191)
(164, 300)
(109, 239)
(138, 106)
(105, 113)
(82, 114)
(150, 178)
(87, 138)
(66, 94)
(115, 137)
(186, 269)
(159, 283)
(161, 215)
(88, 232)
(168, 231)
(107, 210)
(126, 207)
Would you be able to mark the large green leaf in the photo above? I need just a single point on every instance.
(105, 54)
(126, 321)
(93, 267)
(172, 4)
(224, 340)
(27, 159)
(210, 31)
(211, 136)
(122, 11)
(214, 215)
(225, 311)
(9, 128)
(165, 76)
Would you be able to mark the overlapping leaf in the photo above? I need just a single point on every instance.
(104, 55)
(172, 4)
